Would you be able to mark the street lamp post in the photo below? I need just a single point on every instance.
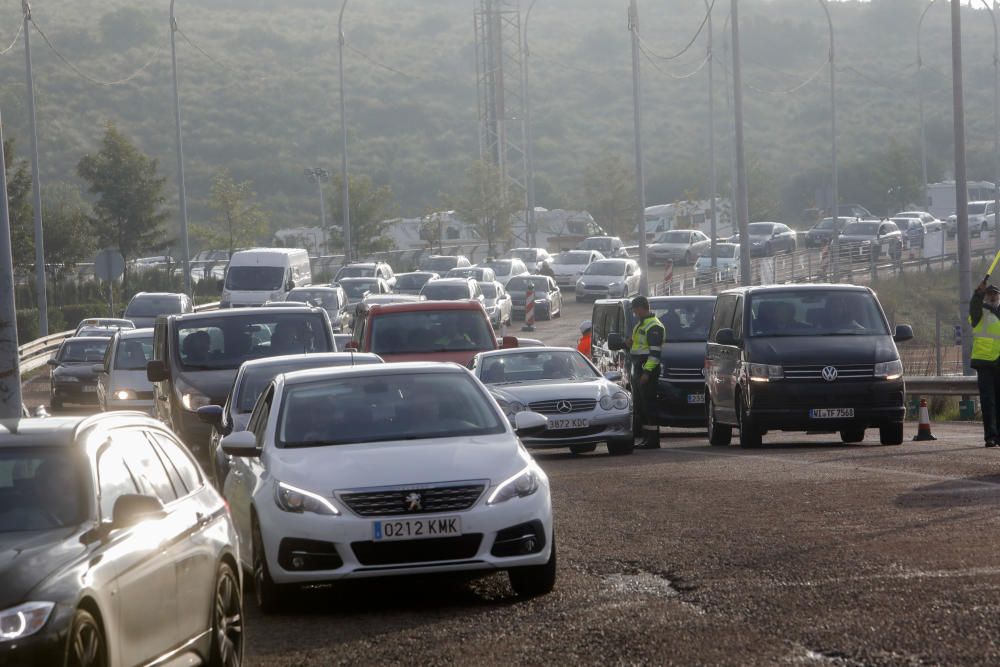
(345, 185)
(529, 152)
(640, 178)
(835, 243)
(996, 121)
(179, 141)
(920, 106)
(320, 175)
(713, 176)
(36, 188)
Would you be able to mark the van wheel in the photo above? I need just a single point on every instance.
(750, 436)
(852, 435)
(719, 435)
(891, 434)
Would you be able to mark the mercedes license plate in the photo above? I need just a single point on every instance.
(832, 413)
(416, 529)
(696, 399)
(559, 423)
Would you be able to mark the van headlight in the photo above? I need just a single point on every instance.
(193, 400)
(521, 485)
(125, 395)
(24, 620)
(765, 372)
(889, 370)
(298, 501)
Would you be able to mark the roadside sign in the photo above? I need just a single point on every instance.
(109, 265)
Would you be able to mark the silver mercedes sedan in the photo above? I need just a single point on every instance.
(583, 407)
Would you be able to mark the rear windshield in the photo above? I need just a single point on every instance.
(721, 251)
(439, 264)
(356, 272)
(520, 284)
(356, 289)
(500, 267)
(596, 244)
(760, 229)
(816, 313)
(489, 290)
(437, 292)
(153, 306)
(412, 281)
(133, 353)
(573, 258)
(606, 269)
(41, 488)
(321, 298)
(430, 331)
(977, 209)
(674, 237)
(255, 380)
(529, 255)
(862, 229)
(77, 350)
(685, 321)
(218, 343)
(255, 278)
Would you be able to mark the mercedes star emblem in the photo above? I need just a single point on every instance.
(564, 407)
(414, 502)
(829, 373)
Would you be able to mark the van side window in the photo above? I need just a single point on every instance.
(723, 317)
(160, 341)
(738, 319)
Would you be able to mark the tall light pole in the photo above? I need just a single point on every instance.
(179, 142)
(640, 177)
(36, 187)
(730, 130)
(996, 121)
(529, 151)
(961, 182)
(742, 203)
(920, 106)
(320, 175)
(713, 176)
(835, 243)
(346, 183)
(10, 370)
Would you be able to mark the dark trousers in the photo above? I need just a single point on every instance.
(644, 399)
(989, 394)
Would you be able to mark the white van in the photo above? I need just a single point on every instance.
(259, 275)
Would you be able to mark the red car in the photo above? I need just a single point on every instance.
(427, 331)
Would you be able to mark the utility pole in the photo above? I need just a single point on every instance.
(179, 141)
(835, 243)
(713, 176)
(742, 203)
(961, 182)
(320, 175)
(996, 121)
(10, 369)
(920, 104)
(730, 131)
(529, 151)
(36, 186)
(345, 185)
(640, 177)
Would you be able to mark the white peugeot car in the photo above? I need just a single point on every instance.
(376, 471)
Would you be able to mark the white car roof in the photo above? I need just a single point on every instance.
(402, 368)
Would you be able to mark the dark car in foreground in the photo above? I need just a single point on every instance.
(814, 358)
(73, 378)
(113, 548)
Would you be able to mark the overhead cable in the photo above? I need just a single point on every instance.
(680, 53)
(20, 29)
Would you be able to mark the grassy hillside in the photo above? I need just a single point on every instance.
(265, 103)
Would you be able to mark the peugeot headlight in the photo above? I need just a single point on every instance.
(193, 400)
(24, 620)
(764, 372)
(520, 485)
(889, 370)
(298, 501)
(617, 401)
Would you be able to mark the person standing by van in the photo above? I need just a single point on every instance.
(644, 348)
(984, 315)
(585, 342)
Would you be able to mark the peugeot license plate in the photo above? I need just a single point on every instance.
(694, 399)
(416, 529)
(558, 424)
(832, 413)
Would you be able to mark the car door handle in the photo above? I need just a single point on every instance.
(161, 398)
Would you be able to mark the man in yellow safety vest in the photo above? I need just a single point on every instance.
(984, 315)
(644, 349)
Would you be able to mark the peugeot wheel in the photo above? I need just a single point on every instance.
(534, 580)
(269, 595)
(227, 620)
(87, 646)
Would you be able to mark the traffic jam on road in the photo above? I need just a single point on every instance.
(247, 445)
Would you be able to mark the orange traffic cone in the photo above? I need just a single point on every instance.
(924, 429)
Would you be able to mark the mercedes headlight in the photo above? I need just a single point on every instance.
(889, 370)
(193, 400)
(298, 501)
(617, 401)
(764, 372)
(24, 620)
(520, 485)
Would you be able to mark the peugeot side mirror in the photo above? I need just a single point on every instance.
(615, 341)
(156, 371)
(530, 423)
(53, 362)
(904, 332)
(241, 443)
(131, 509)
(725, 337)
(210, 414)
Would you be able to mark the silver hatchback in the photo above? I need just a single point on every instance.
(121, 381)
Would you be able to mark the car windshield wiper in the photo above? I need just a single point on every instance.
(311, 443)
(203, 367)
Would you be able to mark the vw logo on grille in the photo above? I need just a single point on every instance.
(414, 502)
(829, 373)
(564, 406)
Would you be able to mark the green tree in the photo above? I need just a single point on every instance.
(128, 211)
(609, 194)
(69, 237)
(764, 198)
(239, 220)
(22, 233)
(486, 203)
(372, 206)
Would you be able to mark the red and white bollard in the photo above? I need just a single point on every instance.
(529, 309)
(668, 274)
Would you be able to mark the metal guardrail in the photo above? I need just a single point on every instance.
(947, 385)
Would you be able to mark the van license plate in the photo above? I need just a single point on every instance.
(694, 399)
(416, 529)
(832, 413)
